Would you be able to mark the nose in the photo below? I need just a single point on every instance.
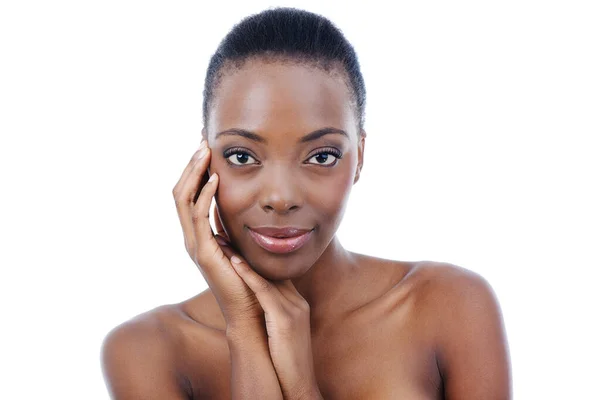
(280, 192)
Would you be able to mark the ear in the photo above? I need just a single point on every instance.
(361, 152)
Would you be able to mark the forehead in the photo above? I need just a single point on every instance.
(281, 97)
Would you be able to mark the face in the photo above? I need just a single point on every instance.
(275, 175)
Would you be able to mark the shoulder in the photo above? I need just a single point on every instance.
(470, 339)
(149, 328)
(440, 283)
(146, 331)
(436, 286)
(139, 358)
(454, 296)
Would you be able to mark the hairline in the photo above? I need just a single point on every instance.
(334, 68)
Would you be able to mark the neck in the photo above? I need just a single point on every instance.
(323, 285)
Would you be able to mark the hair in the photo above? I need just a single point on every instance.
(287, 35)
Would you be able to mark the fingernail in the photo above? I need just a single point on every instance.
(202, 144)
(235, 259)
(213, 177)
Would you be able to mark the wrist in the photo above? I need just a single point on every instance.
(242, 330)
(314, 394)
(309, 392)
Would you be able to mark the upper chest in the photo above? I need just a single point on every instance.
(383, 350)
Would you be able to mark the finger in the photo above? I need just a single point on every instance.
(215, 265)
(265, 291)
(186, 194)
(200, 217)
(229, 250)
(219, 224)
(189, 167)
(287, 288)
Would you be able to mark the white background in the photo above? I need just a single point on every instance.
(482, 122)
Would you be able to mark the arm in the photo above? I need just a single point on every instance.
(287, 321)
(252, 373)
(473, 352)
(137, 364)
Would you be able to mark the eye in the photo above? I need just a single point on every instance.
(327, 157)
(238, 157)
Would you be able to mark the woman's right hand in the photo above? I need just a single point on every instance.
(237, 301)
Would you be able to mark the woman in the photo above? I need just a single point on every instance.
(290, 313)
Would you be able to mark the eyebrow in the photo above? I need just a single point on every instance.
(307, 138)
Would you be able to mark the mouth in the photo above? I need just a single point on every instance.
(280, 240)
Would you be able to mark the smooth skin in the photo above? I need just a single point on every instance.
(321, 321)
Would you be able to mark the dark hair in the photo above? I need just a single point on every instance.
(287, 35)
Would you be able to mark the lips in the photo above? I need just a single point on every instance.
(280, 240)
(285, 232)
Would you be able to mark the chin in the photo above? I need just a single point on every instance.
(277, 268)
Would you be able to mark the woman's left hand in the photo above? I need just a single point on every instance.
(287, 318)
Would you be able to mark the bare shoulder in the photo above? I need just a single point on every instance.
(441, 282)
(139, 358)
(452, 295)
(471, 344)
(175, 351)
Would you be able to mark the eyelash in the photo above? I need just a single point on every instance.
(239, 150)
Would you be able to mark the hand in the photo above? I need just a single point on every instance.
(287, 317)
(193, 196)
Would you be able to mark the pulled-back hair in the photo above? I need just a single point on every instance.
(287, 35)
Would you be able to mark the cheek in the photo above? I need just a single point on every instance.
(232, 193)
(331, 197)
(233, 198)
